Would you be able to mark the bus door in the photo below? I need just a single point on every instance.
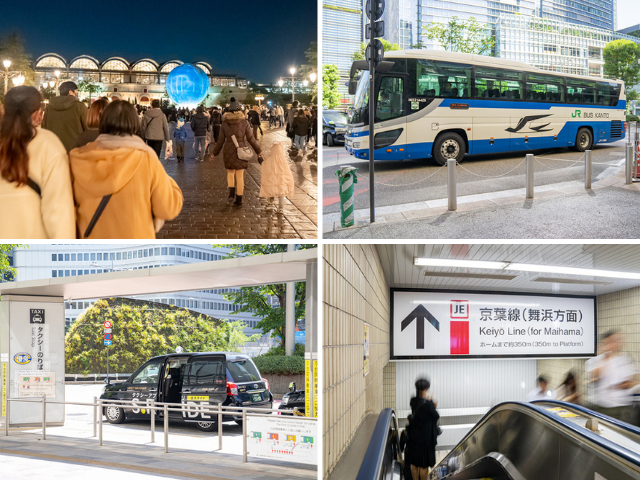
(390, 139)
(204, 383)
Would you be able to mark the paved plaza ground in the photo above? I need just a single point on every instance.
(71, 452)
(208, 214)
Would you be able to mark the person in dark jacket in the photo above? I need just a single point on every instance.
(424, 431)
(405, 439)
(66, 116)
(155, 128)
(235, 124)
(254, 119)
(216, 121)
(301, 129)
(200, 125)
(93, 122)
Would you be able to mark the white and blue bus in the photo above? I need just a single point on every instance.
(443, 105)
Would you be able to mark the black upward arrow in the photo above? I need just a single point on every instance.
(420, 314)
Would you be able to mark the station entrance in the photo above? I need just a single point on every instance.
(483, 324)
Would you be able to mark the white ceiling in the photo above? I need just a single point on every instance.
(397, 262)
(236, 272)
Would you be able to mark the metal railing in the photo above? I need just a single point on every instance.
(153, 406)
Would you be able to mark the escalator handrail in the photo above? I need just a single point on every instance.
(373, 458)
(608, 445)
(614, 421)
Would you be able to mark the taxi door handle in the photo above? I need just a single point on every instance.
(153, 390)
(186, 391)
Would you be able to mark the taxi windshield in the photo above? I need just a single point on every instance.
(243, 371)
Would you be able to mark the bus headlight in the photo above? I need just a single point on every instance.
(356, 144)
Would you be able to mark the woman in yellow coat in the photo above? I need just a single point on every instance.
(120, 187)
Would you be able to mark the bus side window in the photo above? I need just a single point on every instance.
(390, 103)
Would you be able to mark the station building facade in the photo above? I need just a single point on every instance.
(66, 260)
(139, 82)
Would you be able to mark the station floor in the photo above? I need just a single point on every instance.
(26, 456)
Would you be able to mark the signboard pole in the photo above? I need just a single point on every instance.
(107, 363)
(372, 71)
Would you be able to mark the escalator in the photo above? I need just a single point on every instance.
(546, 440)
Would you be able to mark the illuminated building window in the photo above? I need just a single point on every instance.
(167, 67)
(50, 62)
(117, 65)
(144, 67)
(84, 64)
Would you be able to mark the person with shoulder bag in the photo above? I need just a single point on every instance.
(424, 431)
(121, 188)
(35, 182)
(236, 137)
(155, 128)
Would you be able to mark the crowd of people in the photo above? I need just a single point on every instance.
(610, 388)
(68, 171)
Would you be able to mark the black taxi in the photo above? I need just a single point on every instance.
(193, 379)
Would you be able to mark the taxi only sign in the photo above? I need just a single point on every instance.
(456, 324)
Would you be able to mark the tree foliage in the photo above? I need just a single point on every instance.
(360, 53)
(311, 65)
(142, 330)
(7, 272)
(90, 88)
(621, 61)
(330, 84)
(256, 300)
(462, 36)
(12, 48)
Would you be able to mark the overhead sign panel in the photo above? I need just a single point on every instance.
(448, 324)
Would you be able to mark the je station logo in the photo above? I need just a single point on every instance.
(458, 325)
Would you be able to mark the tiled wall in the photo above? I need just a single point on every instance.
(355, 292)
(619, 311)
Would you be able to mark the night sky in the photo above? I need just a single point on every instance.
(259, 40)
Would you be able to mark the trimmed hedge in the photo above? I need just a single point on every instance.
(280, 365)
(631, 118)
(279, 351)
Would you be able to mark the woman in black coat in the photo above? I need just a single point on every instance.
(423, 433)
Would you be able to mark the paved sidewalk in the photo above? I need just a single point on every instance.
(609, 210)
(207, 213)
(26, 456)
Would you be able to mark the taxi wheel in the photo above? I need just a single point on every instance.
(330, 141)
(114, 414)
(206, 426)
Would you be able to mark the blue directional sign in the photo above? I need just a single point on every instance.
(107, 342)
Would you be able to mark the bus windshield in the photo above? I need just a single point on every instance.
(361, 99)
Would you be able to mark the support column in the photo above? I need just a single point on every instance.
(311, 341)
(290, 312)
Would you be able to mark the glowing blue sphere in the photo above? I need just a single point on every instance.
(187, 85)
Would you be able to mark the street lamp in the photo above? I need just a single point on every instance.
(19, 80)
(7, 64)
(292, 71)
(305, 83)
(312, 77)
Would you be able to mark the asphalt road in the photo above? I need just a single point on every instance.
(400, 182)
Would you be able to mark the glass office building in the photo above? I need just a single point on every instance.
(342, 34)
(591, 13)
(53, 261)
(553, 45)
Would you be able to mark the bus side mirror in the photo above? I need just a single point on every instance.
(353, 86)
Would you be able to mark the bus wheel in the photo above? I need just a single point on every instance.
(448, 146)
(114, 414)
(584, 139)
(206, 426)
